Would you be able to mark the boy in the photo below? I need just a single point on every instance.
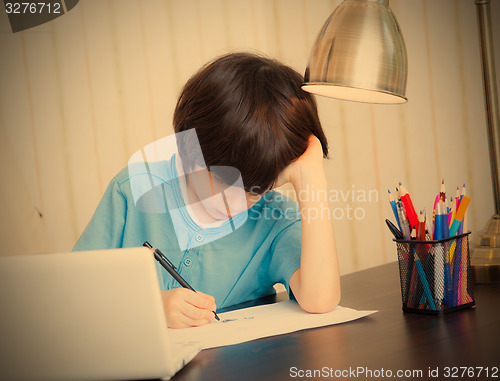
(248, 112)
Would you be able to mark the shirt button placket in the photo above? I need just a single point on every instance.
(187, 260)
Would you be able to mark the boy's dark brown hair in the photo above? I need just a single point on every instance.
(249, 113)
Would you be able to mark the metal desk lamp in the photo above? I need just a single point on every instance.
(360, 55)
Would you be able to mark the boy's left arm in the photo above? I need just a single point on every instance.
(316, 284)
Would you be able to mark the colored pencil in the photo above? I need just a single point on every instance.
(408, 205)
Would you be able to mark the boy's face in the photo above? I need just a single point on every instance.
(210, 195)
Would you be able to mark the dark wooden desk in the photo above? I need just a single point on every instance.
(388, 340)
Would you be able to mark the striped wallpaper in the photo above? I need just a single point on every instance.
(83, 92)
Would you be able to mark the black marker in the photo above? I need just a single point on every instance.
(394, 230)
(167, 265)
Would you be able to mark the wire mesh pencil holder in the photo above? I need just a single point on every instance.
(435, 275)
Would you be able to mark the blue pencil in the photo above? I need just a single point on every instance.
(392, 201)
(425, 284)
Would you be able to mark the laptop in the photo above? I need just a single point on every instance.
(89, 315)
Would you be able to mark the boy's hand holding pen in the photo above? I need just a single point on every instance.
(184, 307)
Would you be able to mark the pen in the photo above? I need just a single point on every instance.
(167, 265)
(394, 230)
(405, 228)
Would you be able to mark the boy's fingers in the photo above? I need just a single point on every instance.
(183, 321)
(181, 309)
(196, 314)
(200, 300)
(209, 301)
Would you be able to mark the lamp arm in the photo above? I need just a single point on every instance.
(490, 94)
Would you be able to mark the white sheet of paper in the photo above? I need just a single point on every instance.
(262, 321)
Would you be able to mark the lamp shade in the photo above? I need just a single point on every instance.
(359, 55)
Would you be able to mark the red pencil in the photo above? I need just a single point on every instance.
(408, 205)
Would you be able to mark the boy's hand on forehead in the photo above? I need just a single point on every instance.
(185, 308)
(309, 163)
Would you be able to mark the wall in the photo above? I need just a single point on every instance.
(82, 93)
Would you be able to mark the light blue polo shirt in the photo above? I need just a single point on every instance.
(237, 261)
